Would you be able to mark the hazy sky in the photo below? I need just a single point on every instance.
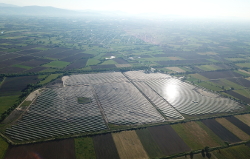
(237, 8)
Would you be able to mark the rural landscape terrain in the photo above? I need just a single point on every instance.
(104, 86)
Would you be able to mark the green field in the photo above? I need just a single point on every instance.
(49, 70)
(236, 59)
(22, 66)
(208, 67)
(84, 148)
(42, 76)
(57, 64)
(83, 100)
(6, 102)
(247, 65)
(199, 77)
(109, 62)
(3, 147)
(230, 84)
(49, 78)
(235, 152)
(26, 103)
(92, 62)
(244, 92)
(41, 48)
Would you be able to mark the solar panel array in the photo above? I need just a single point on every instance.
(158, 101)
(95, 78)
(183, 97)
(56, 112)
(124, 104)
(114, 97)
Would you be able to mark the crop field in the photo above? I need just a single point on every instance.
(122, 65)
(14, 85)
(3, 147)
(244, 127)
(107, 66)
(10, 70)
(53, 149)
(176, 69)
(6, 102)
(208, 67)
(8, 56)
(49, 52)
(150, 146)
(120, 61)
(194, 136)
(182, 62)
(36, 62)
(25, 52)
(84, 148)
(228, 83)
(128, 145)
(245, 65)
(76, 57)
(168, 140)
(105, 147)
(220, 74)
(240, 151)
(244, 118)
(221, 131)
(239, 96)
(57, 64)
(240, 81)
(49, 78)
(77, 64)
(234, 129)
(65, 53)
(36, 69)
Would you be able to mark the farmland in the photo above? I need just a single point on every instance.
(102, 151)
(130, 88)
(54, 149)
(234, 129)
(149, 144)
(168, 140)
(221, 131)
(128, 145)
(194, 136)
(244, 118)
(84, 148)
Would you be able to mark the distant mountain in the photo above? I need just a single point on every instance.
(6, 9)
(7, 5)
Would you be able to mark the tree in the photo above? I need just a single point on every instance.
(208, 154)
(191, 155)
(203, 153)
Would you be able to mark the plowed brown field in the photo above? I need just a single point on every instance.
(234, 129)
(63, 149)
(244, 118)
(168, 140)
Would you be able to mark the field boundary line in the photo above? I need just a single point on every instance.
(167, 102)
(2, 81)
(100, 107)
